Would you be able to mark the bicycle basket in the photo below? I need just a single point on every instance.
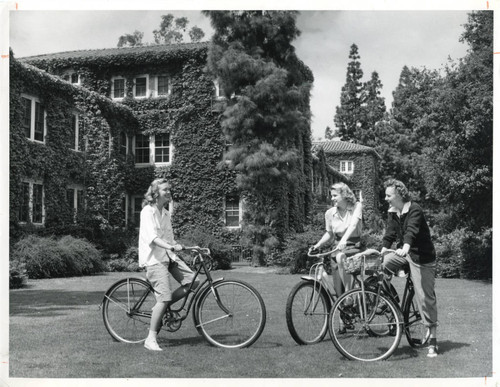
(369, 261)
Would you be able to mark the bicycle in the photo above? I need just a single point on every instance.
(367, 323)
(227, 313)
(309, 303)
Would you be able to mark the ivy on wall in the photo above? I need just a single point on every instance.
(54, 163)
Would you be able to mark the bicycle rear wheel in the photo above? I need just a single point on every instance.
(231, 314)
(365, 337)
(307, 309)
(416, 332)
(126, 310)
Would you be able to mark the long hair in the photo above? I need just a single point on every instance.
(346, 193)
(150, 197)
(400, 189)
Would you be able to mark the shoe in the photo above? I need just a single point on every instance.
(152, 345)
(433, 351)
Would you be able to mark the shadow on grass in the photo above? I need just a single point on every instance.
(47, 303)
(407, 352)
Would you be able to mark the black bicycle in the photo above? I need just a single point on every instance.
(367, 323)
(227, 313)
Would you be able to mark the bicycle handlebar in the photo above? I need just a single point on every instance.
(198, 249)
(309, 252)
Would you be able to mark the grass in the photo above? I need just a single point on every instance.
(56, 331)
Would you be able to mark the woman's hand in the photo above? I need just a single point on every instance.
(178, 247)
(341, 245)
(403, 252)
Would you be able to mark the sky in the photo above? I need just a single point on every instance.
(387, 40)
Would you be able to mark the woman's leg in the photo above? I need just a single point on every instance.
(347, 279)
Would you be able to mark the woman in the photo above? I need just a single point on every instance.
(343, 224)
(407, 227)
(156, 247)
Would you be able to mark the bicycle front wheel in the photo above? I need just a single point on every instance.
(365, 326)
(416, 332)
(126, 310)
(231, 314)
(307, 309)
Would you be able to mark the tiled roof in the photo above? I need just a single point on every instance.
(109, 52)
(342, 147)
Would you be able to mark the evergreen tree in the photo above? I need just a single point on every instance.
(267, 121)
(373, 110)
(348, 116)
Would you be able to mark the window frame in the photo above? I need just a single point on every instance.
(31, 203)
(134, 86)
(169, 86)
(76, 206)
(76, 145)
(152, 152)
(240, 211)
(33, 118)
(348, 163)
(116, 78)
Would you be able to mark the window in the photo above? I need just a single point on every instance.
(123, 144)
(118, 88)
(34, 119)
(162, 148)
(140, 86)
(136, 210)
(142, 149)
(155, 149)
(76, 134)
(73, 77)
(74, 197)
(219, 91)
(31, 208)
(346, 167)
(163, 85)
(232, 211)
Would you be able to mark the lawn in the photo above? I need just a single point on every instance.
(56, 331)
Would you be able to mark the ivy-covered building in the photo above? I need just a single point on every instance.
(358, 164)
(91, 129)
(66, 161)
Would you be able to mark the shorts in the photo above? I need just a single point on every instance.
(159, 277)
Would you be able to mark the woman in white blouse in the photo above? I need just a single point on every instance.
(344, 225)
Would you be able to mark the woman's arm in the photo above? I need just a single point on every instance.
(325, 238)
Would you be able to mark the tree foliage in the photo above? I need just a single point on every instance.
(348, 116)
(267, 121)
(170, 31)
(131, 40)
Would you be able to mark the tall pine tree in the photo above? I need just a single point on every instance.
(348, 116)
(266, 119)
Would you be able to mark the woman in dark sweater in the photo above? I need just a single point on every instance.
(407, 227)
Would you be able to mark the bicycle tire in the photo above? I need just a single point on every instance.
(243, 321)
(416, 332)
(307, 313)
(126, 310)
(365, 338)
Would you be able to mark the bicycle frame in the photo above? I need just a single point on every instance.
(191, 296)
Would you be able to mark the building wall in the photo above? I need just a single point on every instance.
(364, 177)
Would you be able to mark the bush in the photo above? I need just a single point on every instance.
(49, 257)
(464, 254)
(477, 252)
(221, 252)
(294, 253)
(129, 261)
(17, 275)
